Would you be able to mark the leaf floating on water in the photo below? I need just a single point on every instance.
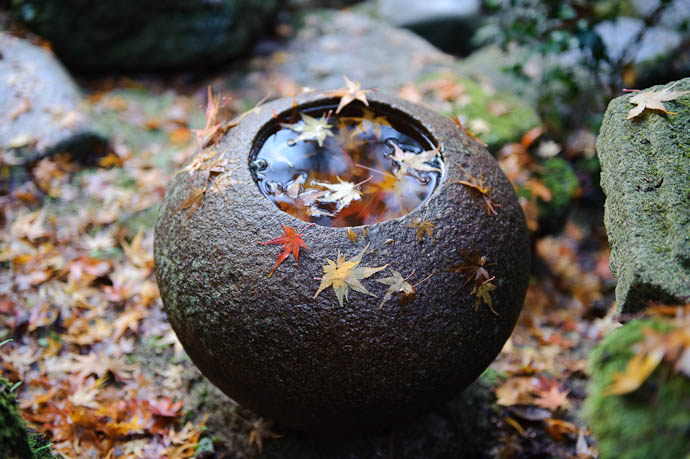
(423, 227)
(653, 100)
(311, 129)
(344, 274)
(291, 242)
(351, 92)
(410, 163)
(342, 194)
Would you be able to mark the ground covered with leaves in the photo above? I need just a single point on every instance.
(102, 373)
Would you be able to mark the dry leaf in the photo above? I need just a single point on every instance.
(345, 274)
(653, 100)
(291, 242)
(410, 163)
(349, 93)
(342, 194)
(423, 227)
(636, 372)
(311, 129)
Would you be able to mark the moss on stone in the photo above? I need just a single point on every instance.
(505, 128)
(644, 173)
(15, 441)
(654, 420)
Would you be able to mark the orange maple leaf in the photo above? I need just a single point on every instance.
(215, 127)
(291, 242)
(553, 399)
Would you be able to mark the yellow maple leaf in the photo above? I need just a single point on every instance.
(636, 372)
(653, 100)
(344, 274)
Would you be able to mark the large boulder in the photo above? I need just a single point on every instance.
(312, 360)
(41, 109)
(155, 34)
(645, 172)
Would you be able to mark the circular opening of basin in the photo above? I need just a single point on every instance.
(361, 166)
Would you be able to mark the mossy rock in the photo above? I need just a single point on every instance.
(155, 34)
(652, 421)
(506, 125)
(645, 170)
(315, 363)
(15, 441)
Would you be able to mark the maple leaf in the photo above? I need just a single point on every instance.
(636, 372)
(483, 293)
(477, 184)
(345, 274)
(351, 92)
(342, 194)
(193, 201)
(410, 163)
(553, 399)
(215, 128)
(260, 429)
(652, 100)
(375, 121)
(291, 242)
(400, 286)
(311, 129)
(423, 227)
(472, 267)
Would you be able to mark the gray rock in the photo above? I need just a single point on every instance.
(341, 43)
(380, 56)
(41, 110)
(645, 173)
(312, 364)
(153, 34)
(619, 35)
(448, 24)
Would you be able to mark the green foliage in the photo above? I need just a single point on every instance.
(559, 178)
(652, 421)
(556, 46)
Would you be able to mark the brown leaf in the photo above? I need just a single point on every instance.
(351, 92)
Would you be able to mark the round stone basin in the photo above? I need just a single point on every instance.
(390, 311)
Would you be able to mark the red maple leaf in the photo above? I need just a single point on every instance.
(291, 242)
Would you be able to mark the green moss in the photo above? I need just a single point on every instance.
(15, 441)
(654, 420)
(505, 128)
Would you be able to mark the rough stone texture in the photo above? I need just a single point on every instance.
(653, 420)
(153, 34)
(311, 364)
(40, 106)
(645, 173)
(447, 24)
